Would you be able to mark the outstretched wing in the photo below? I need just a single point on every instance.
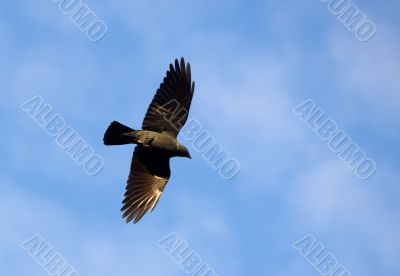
(169, 109)
(148, 176)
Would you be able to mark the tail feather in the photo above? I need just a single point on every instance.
(113, 135)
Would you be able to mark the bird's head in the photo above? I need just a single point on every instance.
(186, 153)
(183, 151)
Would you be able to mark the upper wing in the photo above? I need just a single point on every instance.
(169, 109)
(148, 176)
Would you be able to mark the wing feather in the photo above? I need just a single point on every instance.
(169, 109)
(149, 175)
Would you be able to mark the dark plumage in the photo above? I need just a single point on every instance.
(156, 142)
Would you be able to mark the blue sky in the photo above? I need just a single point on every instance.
(253, 62)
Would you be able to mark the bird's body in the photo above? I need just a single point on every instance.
(156, 142)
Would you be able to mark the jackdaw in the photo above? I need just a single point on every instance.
(156, 143)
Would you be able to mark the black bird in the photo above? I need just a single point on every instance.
(156, 142)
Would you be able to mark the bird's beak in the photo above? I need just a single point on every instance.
(188, 155)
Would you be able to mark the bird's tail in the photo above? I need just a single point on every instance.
(113, 135)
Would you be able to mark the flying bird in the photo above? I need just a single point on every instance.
(156, 143)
